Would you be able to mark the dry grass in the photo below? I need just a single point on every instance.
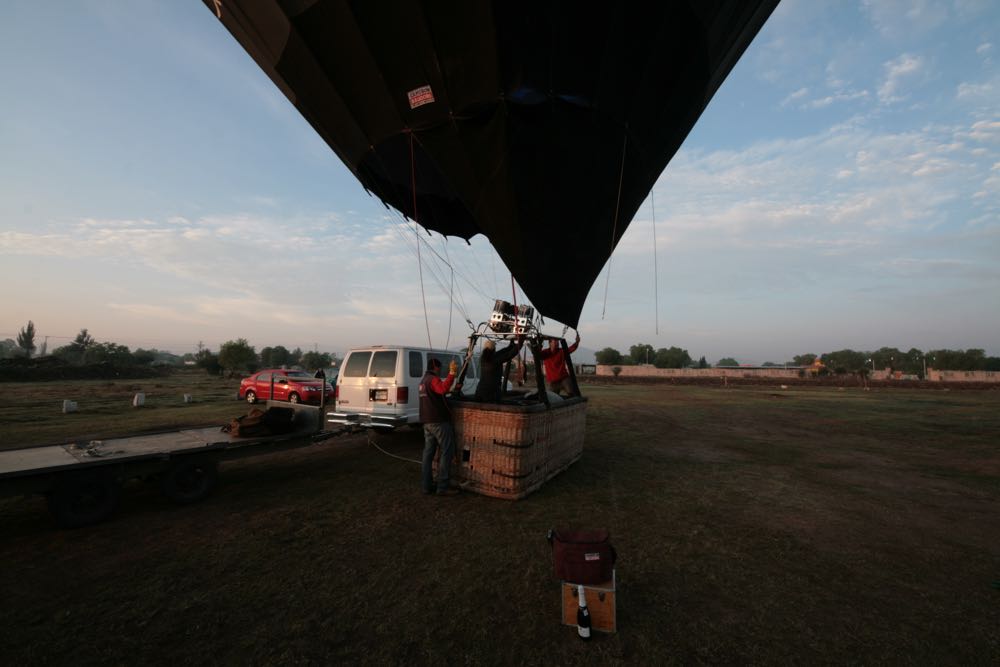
(752, 525)
(31, 412)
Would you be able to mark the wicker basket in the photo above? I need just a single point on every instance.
(509, 451)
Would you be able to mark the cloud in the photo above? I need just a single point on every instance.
(791, 97)
(897, 72)
(985, 91)
(899, 18)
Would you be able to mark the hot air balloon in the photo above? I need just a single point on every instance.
(541, 125)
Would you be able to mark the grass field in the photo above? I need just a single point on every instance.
(753, 525)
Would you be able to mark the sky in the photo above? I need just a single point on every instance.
(842, 190)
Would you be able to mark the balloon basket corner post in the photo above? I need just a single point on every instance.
(510, 451)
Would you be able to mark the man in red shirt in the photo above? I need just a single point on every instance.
(556, 372)
(438, 431)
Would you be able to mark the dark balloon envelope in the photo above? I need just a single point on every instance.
(542, 125)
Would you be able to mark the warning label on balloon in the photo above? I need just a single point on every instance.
(420, 96)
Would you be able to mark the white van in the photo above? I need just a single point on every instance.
(378, 385)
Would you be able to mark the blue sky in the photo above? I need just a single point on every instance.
(841, 190)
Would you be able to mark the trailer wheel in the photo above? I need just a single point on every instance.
(83, 498)
(188, 481)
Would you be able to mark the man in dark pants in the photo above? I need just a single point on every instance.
(490, 387)
(438, 431)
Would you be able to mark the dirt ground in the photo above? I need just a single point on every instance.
(753, 525)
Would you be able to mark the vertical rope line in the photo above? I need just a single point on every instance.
(451, 303)
(614, 230)
(656, 278)
(416, 231)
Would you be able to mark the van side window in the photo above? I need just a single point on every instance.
(383, 364)
(357, 364)
(416, 364)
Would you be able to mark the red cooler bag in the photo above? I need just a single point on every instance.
(582, 556)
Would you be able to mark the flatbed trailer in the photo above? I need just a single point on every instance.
(82, 480)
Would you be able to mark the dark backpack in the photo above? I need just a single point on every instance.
(582, 556)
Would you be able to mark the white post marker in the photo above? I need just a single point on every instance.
(139, 400)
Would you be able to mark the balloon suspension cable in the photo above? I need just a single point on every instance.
(614, 230)
(656, 278)
(451, 303)
(513, 292)
(416, 231)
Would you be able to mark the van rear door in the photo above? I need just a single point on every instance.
(352, 383)
(382, 383)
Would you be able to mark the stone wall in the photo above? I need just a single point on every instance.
(648, 370)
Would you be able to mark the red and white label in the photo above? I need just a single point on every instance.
(420, 96)
(593, 556)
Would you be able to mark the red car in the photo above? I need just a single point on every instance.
(291, 386)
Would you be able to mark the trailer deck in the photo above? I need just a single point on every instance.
(81, 480)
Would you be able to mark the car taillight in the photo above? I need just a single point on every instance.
(402, 394)
(336, 392)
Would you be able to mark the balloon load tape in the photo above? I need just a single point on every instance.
(507, 318)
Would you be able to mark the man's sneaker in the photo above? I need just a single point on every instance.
(452, 491)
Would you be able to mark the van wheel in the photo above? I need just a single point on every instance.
(251, 397)
(83, 499)
(188, 481)
(293, 398)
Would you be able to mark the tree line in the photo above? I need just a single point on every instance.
(234, 356)
(238, 356)
(911, 362)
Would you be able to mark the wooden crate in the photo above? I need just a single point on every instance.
(600, 602)
(509, 451)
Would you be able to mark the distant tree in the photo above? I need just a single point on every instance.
(846, 361)
(803, 359)
(209, 361)
(275, 357)
(83, 340)
(702, 363)
(608, 355)
(189, 356)
(642, 353)
(74, 352)
(887, 357)
(294, 356)
(8, 348)
(316, 360)
(769, 364)
(237, 356)
(44, 347)
(26, 339)
(108, 353)
(143, 357)
(673, 357)
(727, 361)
